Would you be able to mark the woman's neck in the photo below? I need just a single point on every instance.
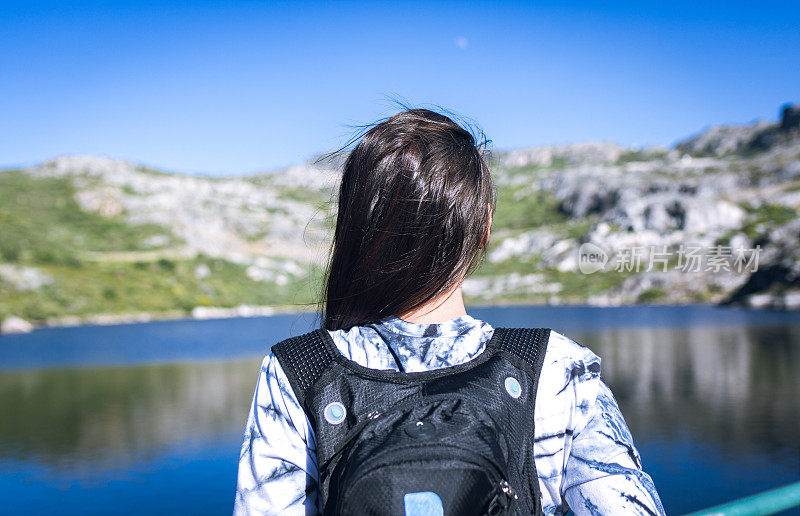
(439, 310)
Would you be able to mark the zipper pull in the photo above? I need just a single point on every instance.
(508, 490)
(502, 501)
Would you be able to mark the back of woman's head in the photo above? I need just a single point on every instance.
(412, 220)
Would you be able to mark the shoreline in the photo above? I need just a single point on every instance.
(15, 325)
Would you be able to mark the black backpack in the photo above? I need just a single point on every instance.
(451, 441)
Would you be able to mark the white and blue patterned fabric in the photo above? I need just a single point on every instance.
(584, 453)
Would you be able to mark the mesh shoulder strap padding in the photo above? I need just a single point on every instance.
(528, 344)
(303, 358)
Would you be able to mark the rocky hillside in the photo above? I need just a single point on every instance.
(83, 236)
(727, 189)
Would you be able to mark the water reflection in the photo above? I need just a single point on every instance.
(730, 387)
(714, 409)
(110, 415)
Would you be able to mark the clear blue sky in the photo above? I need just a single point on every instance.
(240, 87)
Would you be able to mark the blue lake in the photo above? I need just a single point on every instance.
(147, 418)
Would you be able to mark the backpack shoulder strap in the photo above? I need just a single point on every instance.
(526, 344)
(303, 358)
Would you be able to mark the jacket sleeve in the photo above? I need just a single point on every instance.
(277, 463)
(603, 474)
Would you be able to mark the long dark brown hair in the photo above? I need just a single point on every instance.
(412, 218)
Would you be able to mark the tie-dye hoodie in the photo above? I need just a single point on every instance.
(583, 451)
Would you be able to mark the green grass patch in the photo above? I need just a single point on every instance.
(556, 163)
(303, 195)
(519, 264)
(575, 287)
(517, 209)
(43, 224)
(770, 212)
(578, 287)
(758, 218)
(651, 294)
(636, 155)
(577, 228)
(159, 286)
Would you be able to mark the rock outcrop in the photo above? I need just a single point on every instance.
(13, 324)
(760, 136)
(728, 190)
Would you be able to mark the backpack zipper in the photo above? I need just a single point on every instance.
(371, 416)
(503, 494)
